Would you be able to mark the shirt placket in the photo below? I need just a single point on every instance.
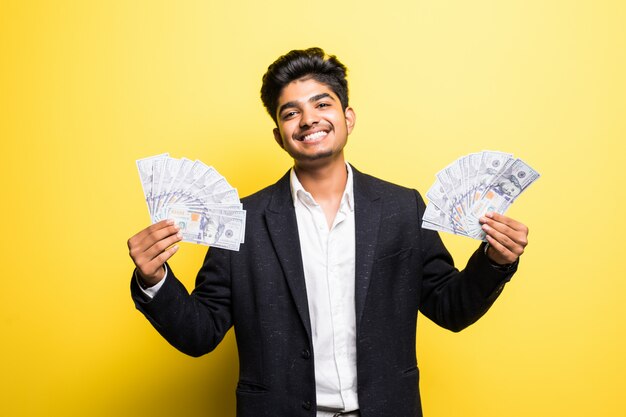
(331, 246)
(337, 305)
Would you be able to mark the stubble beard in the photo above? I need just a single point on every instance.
(317, 156)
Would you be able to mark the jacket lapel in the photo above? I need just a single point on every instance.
(367, 206)
(283, 230)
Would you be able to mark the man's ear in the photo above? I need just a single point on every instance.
(278, 138)
(350, 118)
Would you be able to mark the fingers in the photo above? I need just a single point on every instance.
(152, 247)
(507, 237)
(513, 224)
(164, 226)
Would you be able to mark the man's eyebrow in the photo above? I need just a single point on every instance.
(310, 100)
(320, 96)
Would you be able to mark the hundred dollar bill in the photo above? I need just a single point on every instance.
(503, 190)
(157, 173)
(209, 229)
(437, 195)
(234, 211)
(435, 219)
(447, 203)
(209, 207)
(208, 177)
(225, 197)
(144, 166)
(440, 228)
(471, 186)
(491, 164)
(233, 214)
(471, 167)
(176, 189)
(456, 190)
(454, 174)
(168, 176)
(196, 171)
(196, 196)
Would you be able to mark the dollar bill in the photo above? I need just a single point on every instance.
(144, 166)
(502, 191)
(470, 187)
(196, 197)
(435, 219)
(210, 229)
(170, 169)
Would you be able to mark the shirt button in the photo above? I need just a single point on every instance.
(306, 405)
(306, 354)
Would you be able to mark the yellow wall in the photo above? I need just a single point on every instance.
(87, 87)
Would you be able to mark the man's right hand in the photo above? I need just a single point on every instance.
(151, 248)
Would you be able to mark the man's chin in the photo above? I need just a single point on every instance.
(315, 161)
(318, 156)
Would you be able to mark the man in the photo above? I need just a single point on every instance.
(325, 292)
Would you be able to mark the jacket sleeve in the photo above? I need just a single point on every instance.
(451, 298)
(193, 323)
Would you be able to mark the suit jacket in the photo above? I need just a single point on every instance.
(260, 290)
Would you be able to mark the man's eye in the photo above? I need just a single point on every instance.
(323, 105)
(289, 115)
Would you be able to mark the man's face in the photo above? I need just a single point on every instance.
(312, 127)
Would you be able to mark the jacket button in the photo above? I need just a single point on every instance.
(306, 405)
(306, 354)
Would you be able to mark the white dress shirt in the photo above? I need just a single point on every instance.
(328, 256)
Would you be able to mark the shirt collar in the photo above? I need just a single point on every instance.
(298, 189)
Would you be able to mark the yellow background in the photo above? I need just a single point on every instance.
(87, 87)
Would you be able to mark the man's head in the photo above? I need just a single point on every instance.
(304, 64)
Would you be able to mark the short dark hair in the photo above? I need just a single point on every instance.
(303, 63)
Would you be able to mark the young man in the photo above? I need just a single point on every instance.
(325, 292)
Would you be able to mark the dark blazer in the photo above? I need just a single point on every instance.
(260, 290)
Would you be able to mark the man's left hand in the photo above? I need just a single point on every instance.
(507, 238)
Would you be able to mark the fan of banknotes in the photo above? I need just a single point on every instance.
(470, 187)
(200, 201)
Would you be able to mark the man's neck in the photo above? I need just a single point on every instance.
(326, 183)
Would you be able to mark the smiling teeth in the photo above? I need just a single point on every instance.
(314, 136)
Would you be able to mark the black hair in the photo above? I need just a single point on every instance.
(302, 64)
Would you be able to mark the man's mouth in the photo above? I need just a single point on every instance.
(312, 137)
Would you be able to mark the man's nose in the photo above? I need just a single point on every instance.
(309, 118)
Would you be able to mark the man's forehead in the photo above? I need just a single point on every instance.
(303, 89)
